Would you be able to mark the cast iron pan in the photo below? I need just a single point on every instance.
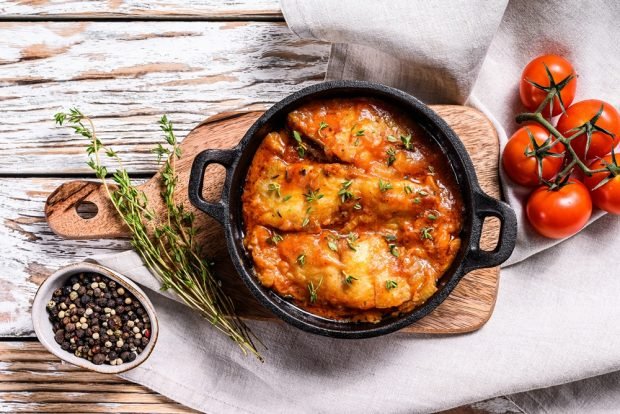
(477, 206)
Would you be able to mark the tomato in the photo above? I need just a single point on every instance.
(582, 112)
(532, 96)
(523, 169)
(606, 197)
(559, 213)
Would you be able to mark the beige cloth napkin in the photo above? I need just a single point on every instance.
(472, 52)
(556, 318)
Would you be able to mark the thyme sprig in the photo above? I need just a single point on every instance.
(166, 245)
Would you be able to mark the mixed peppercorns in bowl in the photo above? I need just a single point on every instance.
(95, 318)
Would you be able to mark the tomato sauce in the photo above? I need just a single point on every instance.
(351, 210)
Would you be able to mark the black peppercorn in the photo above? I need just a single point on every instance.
(81, 325)
(98, 359)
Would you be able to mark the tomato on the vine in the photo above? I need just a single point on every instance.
(519, 160)
(561, 212)
(584, 112)
(606, 196)
(536, 84)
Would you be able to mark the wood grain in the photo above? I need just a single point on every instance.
(33, 380)
(139, 9)
(30, 251)
(467, 308)
(127, 75)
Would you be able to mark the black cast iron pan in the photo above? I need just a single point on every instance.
(477, 206)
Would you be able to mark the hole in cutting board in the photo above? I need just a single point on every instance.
(86, 209)
(490, 232)
(215, 175)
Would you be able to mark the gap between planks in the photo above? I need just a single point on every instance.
(276, 17)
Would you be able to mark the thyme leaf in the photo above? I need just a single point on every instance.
(384, 185)
(314, 290)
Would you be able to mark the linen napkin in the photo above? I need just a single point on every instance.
(556, 315)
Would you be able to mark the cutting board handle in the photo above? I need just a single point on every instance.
(62, 212)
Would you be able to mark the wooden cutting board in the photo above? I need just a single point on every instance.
(468, 307)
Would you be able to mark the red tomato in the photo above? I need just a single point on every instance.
(606, 197)
(523, 169)
(532, 96)
(559, 213)
(582, 112)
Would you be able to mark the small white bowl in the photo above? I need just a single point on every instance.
(44, 329)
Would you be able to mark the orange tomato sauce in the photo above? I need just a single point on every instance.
(351, 211)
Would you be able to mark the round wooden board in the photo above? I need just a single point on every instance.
(468, 307)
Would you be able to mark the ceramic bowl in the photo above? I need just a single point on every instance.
(43, 326)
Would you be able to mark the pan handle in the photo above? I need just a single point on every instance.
(486, 206)
(226, 158)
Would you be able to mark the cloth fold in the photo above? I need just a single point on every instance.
(556, 317)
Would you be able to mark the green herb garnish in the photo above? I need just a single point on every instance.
(331, 243)
(390, 284)
(394, 250)
(426, 233)
(390, 237)
(359, 133)
(301, 259)
(275, 238)
(313, 195)
(392, 138)
(391, 153)
(384, 186)
(344, 192)
(301, 147)
(274, 188)
(322, 126)
(351, 241)
(348, 279)
(406, 139)
(314, 291)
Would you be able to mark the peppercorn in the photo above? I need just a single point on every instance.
(98, 320)
(98, 359)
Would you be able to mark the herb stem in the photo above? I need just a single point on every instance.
(174, 257)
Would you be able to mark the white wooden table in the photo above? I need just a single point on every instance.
(124, 62)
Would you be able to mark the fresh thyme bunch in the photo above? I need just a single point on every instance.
(167, 244)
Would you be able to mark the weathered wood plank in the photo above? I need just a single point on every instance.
(33, 380)
(127, 75)
(186, 9)
(86, 392)
(30, 251)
